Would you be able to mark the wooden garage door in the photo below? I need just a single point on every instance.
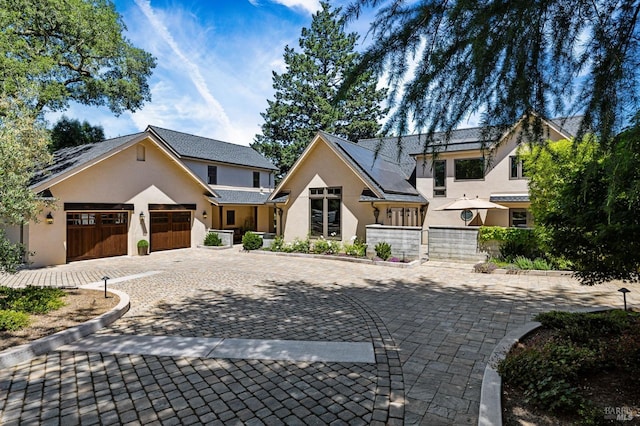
(170, 230)
(92, 235)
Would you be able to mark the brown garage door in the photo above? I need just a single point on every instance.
(170, 230)
(92, 235)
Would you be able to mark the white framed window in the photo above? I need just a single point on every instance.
(516, 168)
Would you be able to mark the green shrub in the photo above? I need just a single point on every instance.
(212, 239)
(13, 320)
(32, 300)
(301, 246)
(541, 264)
(545, 374)
(11, 255)
(514, 242)
(334, 247)
(278, 244)
(383, 250)
(251, 241)
(143, 244)
(321, 246)
(586, 327)
(357, 248)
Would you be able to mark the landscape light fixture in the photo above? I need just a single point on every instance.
(105, 278)
(624, 292)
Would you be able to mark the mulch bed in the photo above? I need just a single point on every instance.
(81, 305)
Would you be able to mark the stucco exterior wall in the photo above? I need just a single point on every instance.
(496, 181)
(120, 179)
(323, 168)
(229, 175)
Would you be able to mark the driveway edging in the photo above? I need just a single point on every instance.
(491, 392)
(28, 351)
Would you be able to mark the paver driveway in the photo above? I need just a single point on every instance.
(432, 327)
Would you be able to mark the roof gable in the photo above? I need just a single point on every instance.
(199, 147)
(71, 158)
(384, 179)
(67, 162)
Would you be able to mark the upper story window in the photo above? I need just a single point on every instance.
(256, 179)
(469, 169)
(440, 178)
(517, 170)
(212, 172)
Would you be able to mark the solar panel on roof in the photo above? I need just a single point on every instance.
(386, 174)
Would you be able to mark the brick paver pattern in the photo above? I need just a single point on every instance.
(433, 328)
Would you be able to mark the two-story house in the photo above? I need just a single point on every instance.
(159, 185)
(337, 187)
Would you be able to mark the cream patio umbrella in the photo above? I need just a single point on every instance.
(467, 204)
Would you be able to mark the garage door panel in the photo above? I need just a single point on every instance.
(92, 235)
(170, 230)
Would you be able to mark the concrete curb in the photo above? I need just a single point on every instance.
(533, 272)
(364, 261)
(491, 391)
(28, 351)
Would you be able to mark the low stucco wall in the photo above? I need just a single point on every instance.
(455, 243)
(404, 240)
(225, 235)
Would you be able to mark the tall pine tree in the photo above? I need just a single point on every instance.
(305, 93)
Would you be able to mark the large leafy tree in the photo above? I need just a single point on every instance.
(71, 132)
(305, 92)
(55, 52)
(446, 59)
(586, 200)
(23, 143)
(71, 50)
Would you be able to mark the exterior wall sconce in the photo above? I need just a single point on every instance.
(376, 213)
(204, 214)
(49, 218)
(141, 216)
(389, 213)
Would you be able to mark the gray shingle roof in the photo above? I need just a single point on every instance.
(192, 146)
(381, 173)
(460, 140)
(229, 196)
(68, 158)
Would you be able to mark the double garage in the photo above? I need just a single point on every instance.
(102, 230)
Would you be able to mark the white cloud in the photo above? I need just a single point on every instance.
(214, 109)
(310, 6)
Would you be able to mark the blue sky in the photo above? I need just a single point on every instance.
(215, 61)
